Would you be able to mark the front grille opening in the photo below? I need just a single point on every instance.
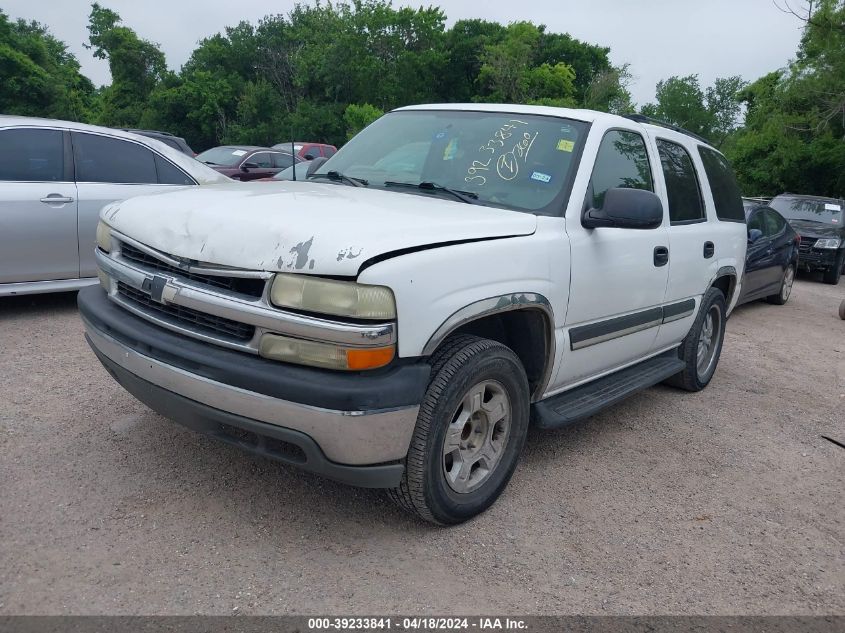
(194, 320)
(249, 287)
(270, 446)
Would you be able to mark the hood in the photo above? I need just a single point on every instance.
(808, 228)
(317, 228)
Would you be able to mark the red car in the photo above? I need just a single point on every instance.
(247, 162)
(307, 151)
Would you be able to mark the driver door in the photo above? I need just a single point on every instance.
(618, 276)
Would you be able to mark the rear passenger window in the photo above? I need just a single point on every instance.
(30, 155)
(723, 185)
(282, 160)
(169, 174)
(105, 159)
(622, 161)
(685, 204)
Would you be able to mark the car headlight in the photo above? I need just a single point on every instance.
(833, 242)
(328, 296)
(328, 355)
(104, 236)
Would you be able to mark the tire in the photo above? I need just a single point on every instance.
(842, 310)
(834, 273)
(694, 378)
(446, 486)
(785, 287)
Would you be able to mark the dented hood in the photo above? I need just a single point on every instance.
(316, 228)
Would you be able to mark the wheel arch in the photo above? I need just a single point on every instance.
(501, 318)
(725, 280)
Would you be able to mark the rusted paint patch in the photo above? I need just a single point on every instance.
(301, 251)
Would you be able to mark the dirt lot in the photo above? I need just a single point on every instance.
(723, 502)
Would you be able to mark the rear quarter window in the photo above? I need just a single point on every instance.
(726, 195)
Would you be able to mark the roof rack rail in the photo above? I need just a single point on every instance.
(642, 118)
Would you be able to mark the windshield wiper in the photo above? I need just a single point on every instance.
(464, 196)
(208, 162)
(338, 177)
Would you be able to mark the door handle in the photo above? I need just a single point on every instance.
(709, 250)
(661, 256)
(55, 198)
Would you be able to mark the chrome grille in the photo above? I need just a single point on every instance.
(202, 322)
(249, 287)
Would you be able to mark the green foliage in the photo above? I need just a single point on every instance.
(794, 133)
(38, 76)
(136, 66)
(357, 117)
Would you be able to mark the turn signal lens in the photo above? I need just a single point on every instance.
(326, 355)
(104, 236)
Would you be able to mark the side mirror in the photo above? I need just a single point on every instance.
(314, 165)
(754, 235)
(626, 209)
(248, 165)
(309, 157)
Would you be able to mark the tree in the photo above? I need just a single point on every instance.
(136, 67)
(608, 91)
(357, 117)
(39, 77)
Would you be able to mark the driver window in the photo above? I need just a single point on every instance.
(263, 160)
(622, 162)
(756, 222)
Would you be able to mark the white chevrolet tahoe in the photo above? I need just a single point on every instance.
(452, 275)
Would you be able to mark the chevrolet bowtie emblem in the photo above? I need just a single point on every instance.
(157, 288)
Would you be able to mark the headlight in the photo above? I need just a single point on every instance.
(294, 350)
(327, 296)
(833, 242)
(104, 236)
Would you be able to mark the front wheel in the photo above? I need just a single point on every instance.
(702, 346)
(469, 434)
(834, 273)
(785, 287)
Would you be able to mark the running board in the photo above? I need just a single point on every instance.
(582, 402)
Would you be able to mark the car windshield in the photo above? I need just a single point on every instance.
(824, 211)
(515, 161)
(226, 156)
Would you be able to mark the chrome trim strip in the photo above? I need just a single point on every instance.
(252, 312)
(346, 437)
(615, 334)
(496, 305)
(678, 317)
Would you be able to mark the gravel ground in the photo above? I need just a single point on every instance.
(727, 501)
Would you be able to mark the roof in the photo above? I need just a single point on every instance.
(807, 197)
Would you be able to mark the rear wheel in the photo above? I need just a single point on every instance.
(469, 434)
(702, 346)
(785, 287)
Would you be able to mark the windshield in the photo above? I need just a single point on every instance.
(515, 161)
(227, 156)
(825, 211)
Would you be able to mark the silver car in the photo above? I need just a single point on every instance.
(55, 176)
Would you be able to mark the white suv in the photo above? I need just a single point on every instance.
(55, 176)
(400, 323)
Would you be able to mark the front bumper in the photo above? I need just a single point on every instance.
(818, 258)
(349, 427)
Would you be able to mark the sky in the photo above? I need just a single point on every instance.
(658, 38)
